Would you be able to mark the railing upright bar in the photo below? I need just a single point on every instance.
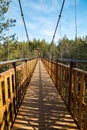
(57, 74)
(70, 85)
(72, 65)
(86, 120)
(15, 88)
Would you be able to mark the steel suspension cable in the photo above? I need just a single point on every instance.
(22, 15)
(75, 21)
(77, 47)
(58, 21)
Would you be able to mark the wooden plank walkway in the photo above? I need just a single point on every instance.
(42, 107)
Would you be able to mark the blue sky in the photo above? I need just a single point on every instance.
(41, 18)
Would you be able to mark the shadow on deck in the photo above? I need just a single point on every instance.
(42, 107)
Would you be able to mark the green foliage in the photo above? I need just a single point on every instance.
(5, 23)
(40, 48)
(65, 49)
(11, 49)
(73, 49)
(18, 50)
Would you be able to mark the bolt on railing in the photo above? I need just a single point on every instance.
(13, 85)
(72, 86)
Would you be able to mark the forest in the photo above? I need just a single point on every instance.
(11, 48)
(72, 49)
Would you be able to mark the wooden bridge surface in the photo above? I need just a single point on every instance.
(42, 107)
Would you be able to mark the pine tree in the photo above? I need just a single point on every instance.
(5, 24)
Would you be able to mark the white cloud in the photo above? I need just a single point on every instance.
(41, 18)
(47, 33)
(42, 6)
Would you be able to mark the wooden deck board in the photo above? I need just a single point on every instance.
(42, 107)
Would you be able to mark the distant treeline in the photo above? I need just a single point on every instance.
(72, 49)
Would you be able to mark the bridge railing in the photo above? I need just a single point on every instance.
(13, 85)
(72, 86)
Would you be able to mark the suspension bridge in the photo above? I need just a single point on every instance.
(42, 94)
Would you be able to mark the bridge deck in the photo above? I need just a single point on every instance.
(42, 107)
